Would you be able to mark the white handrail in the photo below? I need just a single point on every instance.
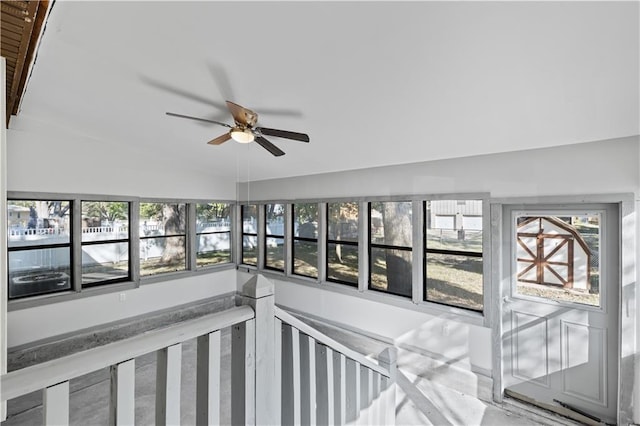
(327, 341)
(39, 376)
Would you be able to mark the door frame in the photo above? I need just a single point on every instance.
(627, 302)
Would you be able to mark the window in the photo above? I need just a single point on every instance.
(342, 242)
(305, 239)
(162, 238)
(213, 234)
(390, 247)
(249, 234)
(39, 247)
(105, 242)
(274, 233)
(453, 258)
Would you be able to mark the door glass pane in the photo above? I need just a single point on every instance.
(558, 257)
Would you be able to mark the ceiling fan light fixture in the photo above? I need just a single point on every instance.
(242, 135)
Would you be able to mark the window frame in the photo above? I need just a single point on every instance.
(268, 235)
(128, 278)
(192, 223)
(73, 281)
(185, 234)
(77, 291)
(371, 245)
(416, 302)
(249, 234)
(294, 238)
(351, 243)
(462, 253)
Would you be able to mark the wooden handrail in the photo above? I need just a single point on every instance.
(43, 375)
(286, 317)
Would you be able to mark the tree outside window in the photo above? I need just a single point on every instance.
(342, 242)
(305, 239)
(162, 238)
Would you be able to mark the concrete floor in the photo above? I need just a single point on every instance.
(425, 395)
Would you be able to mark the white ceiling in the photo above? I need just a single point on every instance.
(372, 83)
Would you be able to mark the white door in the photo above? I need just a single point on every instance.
(560, 310)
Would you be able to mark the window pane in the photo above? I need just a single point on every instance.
(391, 271)
(250, 250)
(213, 249)
(342, 263)
(104, 220)
(343, 221)
(213, 226)
(558, 258)
(33, 223)
(213, 217)
(162, 254)
(305, 220)
(250, 219)
(39, 271)
(391, 223)
(274, 214)
(454, 225)
(454, 280)
(103, 262)
(305, 258)
(158, 219)
(275, 253)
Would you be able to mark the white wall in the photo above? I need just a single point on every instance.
(45, 158)
(591, 168)
(32, 324)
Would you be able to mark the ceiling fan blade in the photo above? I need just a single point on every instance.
(220, 139)
(284, 134)
(173, 114)
(269, 146)
(242, 115)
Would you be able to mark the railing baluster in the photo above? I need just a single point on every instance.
(312, 380)
(295, 365)
(56, 404)
(277, 384)
(208, 379)
(324, 381)
(341, 388)
(243, 378)
(352, 391)
(364, 406)
(286, 364)
(387, 359)
(122, 410)
(168, 376)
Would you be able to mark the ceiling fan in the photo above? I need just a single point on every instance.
(245, 130)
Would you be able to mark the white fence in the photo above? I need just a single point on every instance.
(283, 372)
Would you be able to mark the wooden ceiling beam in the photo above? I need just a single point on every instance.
(21, 26)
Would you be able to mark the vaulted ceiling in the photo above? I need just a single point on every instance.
(372, 83)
